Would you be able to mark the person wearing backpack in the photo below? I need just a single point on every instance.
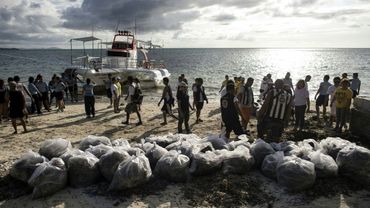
(131, 106)
(246, 102)
(168, 101)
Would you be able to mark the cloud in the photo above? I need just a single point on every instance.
(154, 15)
(35, 5)
(223, 18)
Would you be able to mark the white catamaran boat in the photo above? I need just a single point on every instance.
(122, 60)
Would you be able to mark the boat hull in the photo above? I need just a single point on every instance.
(149, 78)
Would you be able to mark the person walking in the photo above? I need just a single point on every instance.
(199, 96)
(183, 107)
(36, 95)
(131, 106)
(274, 112)
(168, 101)
(246, 102)
(108, 84)
(44, 90)
(323, 98)
(17, 104)
(301, 104)
(342, 98)
(331, 91)
(89, 98)
(230, 112)
(59, 94)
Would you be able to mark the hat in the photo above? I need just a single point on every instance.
(118, 78)
(183, 84)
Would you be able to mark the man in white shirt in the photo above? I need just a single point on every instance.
(131, 106)
(323, 98)
(331, 91)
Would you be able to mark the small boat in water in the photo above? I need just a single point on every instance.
(126, 57)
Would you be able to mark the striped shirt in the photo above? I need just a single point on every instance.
(279, 104)
(247, 99)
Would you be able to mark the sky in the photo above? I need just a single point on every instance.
(189, 23)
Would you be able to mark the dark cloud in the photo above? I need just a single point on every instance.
(35, 5)
(20, 27)
(223, 18)
(153, 15)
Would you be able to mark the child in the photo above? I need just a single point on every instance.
(89, 98)
(323, 98)
(301, 103)
(183, 107)
(342, 99)
(168, 99)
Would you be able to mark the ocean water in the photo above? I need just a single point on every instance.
(213, 64)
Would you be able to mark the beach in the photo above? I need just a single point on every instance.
(252, 189)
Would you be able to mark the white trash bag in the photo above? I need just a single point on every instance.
(354, 162)
(54, 147)
(130, 173)
(48, 178)
(109, 162)
(99, 150)
(296, 174)
(92, 140)
(325, 165)
(173, 166)
(154, 154)
(238, 161)
(205, 163)
(70, 153)
(270, 164)
(83, 170)
(332, 145)
(23, 168)
(259, 149)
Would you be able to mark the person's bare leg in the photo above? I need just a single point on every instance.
(164, 118)
(24, 125)
(14, 124)
(324, 112)
(318, 113)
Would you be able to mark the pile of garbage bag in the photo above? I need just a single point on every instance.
(179, 157)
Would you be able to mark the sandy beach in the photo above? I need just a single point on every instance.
(252, 190)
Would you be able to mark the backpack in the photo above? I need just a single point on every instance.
(137, 97)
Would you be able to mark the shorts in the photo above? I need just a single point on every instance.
(246, 113)
(166, 108)
(109, 93)
(354, 93)
(131, 108)
(322, 100)
(233, 125)
(59, 95)
(333, 110)
(199, 105)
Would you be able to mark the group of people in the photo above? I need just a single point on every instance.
(183, 101)
(280, 101)
(13, 98)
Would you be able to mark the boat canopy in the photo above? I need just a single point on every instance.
(85, 39)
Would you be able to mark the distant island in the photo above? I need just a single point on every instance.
(9, 49)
